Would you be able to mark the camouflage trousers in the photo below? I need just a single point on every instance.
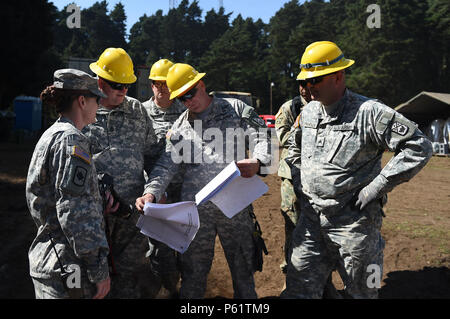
(350, 239)
(164, 266)
(235, 235)
(132, 278)
(163, 259)
(290, 211)
(52, 288)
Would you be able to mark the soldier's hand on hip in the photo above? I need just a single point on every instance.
(365, 196)
(248, 167)
(140, 202)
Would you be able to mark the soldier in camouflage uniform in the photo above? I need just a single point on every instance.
(122, 135)
(62, 194)
(290, 206)
(337, 145)
(284, 120)
(203, 164)
(163, 112)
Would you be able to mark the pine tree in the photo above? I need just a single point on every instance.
(145, 39)
(119, 18)
(234, 61)
(438, 19)
(28, 53)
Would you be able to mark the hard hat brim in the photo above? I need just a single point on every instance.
(323, 70)
(187, 86)
(158, 78)
(103, 74)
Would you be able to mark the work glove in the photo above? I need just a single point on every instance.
(369, 193)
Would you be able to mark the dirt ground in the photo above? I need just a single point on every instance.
(416, 230)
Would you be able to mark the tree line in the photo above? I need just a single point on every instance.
(407, 54)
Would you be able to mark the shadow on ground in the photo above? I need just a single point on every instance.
(430, 282)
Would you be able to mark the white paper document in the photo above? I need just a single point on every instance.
(217, 183)
(177, 224)
(238, 194)
(231, 192)
(173, 224)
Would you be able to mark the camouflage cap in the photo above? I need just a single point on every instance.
(73, 79)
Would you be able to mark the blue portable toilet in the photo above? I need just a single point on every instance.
(28, 111)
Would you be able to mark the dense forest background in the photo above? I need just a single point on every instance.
(408, 54)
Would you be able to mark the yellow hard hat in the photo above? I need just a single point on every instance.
(322, 58)
(114, 65)
(159, 70)
(181, 78)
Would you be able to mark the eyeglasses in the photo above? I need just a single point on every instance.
(159, 84)
(314, 81)
(188, 95)
(117, 86)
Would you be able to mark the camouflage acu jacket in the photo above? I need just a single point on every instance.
(64, 201)
(339, 153)
(283, 126)
(162, 120)
(204, 148)
(121, 137)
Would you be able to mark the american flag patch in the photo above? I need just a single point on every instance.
(78, 152)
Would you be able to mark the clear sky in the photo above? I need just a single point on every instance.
(134, 9)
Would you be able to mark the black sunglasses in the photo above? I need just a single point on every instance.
(314, 81)
(188, 95)
(159, 85)
(117, 86)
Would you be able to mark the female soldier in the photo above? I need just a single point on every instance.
(68, 257)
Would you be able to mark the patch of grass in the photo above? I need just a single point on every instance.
(444, 248)
(434, 233)
(437, 168)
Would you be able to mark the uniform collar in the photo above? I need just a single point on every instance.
(63, 119)
(302, 99)
(207, 114)
(124, 107)
(335, 110)
(175, 107)
(158, 108)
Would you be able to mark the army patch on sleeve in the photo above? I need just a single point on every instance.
(78, 152)
(79, 177)
(76, 176)
(399, 128)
